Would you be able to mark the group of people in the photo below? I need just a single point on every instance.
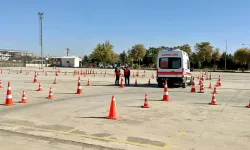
(126, 75)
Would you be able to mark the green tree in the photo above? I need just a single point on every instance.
(123, 57)
(204, 51)
(85, 59)
(242, 57)
(186, 48)
(216, 55)
(103, 53)
(138, 51)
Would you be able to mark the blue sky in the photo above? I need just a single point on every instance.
(81, 24)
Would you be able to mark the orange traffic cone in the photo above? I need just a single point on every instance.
(94, 75)
(113, 112)
(122, 83)
(193, 89)
(219, 81)
(201, 87)
(40, 87)
(248, 105)
(213, 102)
(9, 101)
(136, 83)
(210, 85)
(50, 94)
(1, 86)
(210, 76)
(55, 82)
(215, 90)
(35, 78)
(79, 87)
(24, 99)
(88, 84)
(165, 95)
(146, 105)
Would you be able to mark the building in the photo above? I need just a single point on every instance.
(66, 61)
(6, 54)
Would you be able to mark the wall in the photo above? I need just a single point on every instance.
(70, 64)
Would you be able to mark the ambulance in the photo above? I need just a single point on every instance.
(173, 65)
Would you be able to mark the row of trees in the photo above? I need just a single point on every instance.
(203, 56)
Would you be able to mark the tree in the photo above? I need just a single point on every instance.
(85, 59)
(242, 57)
(186, 48)
(123, 57)
(103, 53)
(204, 51)
(138, 51)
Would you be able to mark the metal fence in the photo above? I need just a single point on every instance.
(11, 64)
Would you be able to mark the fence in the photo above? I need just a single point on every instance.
(11, 64)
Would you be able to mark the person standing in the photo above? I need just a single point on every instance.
(117, 74)
(127, 74)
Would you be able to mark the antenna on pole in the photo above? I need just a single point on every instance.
(68, 50)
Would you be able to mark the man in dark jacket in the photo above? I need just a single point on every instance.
(117, 74)
(127, 74)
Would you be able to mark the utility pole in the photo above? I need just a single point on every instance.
(40, 15)
(226, 56)
(68, 50)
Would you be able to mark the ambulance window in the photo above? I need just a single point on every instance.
(163, 63)
(170, 63)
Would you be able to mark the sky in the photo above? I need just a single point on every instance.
(81, 24)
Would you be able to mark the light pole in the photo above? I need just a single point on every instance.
(246, 44)
(226, 56)
(40, 15)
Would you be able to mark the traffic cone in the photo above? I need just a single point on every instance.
(113, 112)
(88, 84)
(9, 101)
(94, 75)
(50, 94)
(248, 105)
(219, 81)
(40, 87)
(35, 79)
(24, 99)
(148, 81)
(210, 85)
(57, 73)
(193, 89)
(201, 87)
(79, 87)
(55, 82)
(122, 83)
(210, 76)
(213, 102)
(146, 105)
(1, 85)
(136, 82)
(215, 90)
(165, 95)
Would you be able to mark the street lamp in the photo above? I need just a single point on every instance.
(226, 56)
(246, 44)
(40, 15)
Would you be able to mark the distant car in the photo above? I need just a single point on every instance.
(122, 67)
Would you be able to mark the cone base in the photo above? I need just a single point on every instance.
(212, 103)
(9, 104)
(146, 106)
(54, 83)
(88, 85)
(23, 101)
(39, 90)
(214, 92)
(50, 97)
(78, 93)
(113, 118)
(35, 82)
(193, 91)
(248, 106)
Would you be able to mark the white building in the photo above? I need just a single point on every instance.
(68, 61)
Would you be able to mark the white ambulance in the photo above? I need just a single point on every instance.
(173, 66)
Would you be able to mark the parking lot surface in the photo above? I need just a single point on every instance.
(79, 121)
